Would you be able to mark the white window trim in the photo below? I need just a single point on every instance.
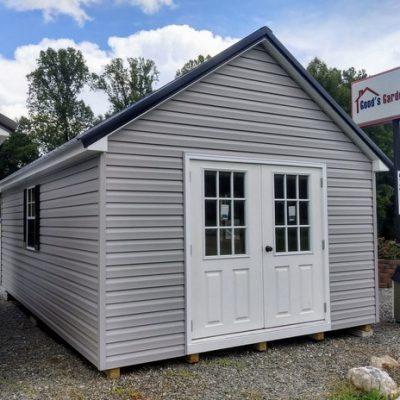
(219, 256)
(29, 218)
(286, 225)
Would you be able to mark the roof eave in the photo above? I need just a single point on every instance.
(7, 123)
(4, 134)
(65, 155)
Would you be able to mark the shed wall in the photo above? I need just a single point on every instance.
(59, 283)
(249, 107)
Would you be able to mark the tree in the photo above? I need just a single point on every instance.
(55, 110)
(338, 84)
(191, 64)
(126, 85)
(18, 149)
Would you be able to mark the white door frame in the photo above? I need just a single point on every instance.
(249, 337)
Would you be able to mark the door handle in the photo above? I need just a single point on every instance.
(268, 249)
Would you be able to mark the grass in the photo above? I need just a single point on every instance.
(347, 391)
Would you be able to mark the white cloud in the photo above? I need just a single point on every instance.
(13, 83)
(76, 8)
(338, 42)
(350, 36)
(52, 8)
(148, 6)
(170, 47)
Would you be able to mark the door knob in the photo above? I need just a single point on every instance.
(268, 249)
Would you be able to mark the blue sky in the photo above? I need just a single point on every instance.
(109, 18)
(360, 33)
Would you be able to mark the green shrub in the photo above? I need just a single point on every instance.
(388, 249)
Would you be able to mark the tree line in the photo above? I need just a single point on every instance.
(57, 113)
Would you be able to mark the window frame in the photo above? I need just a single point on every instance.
(298, 226)
(232, 227)
(31, 213)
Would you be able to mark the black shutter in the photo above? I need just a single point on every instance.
(37, 217)
(24, 203)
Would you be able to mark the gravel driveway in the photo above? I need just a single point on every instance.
(36, 364)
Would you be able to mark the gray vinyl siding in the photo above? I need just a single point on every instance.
(59, 283)
(252, 108)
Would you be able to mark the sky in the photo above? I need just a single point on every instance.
(364, 34)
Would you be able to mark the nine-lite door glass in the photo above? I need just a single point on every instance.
(292, 213)
(224, 213)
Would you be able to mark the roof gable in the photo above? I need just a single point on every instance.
(95, 139)
(265, 36)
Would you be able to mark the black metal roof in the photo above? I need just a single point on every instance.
(135, 110)
(7, 123)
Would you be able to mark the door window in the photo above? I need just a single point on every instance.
(224, 213)
(291, 206)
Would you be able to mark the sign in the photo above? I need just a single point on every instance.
(376, 99)
(224, 212)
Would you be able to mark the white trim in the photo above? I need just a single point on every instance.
(261, 161)
(99, 145)
(242, 338)
(376, 264)
(325, 250)
(379, 166)
(29, 189)
(285, 226)
(250, 337)
(101, 312)
(76, 151)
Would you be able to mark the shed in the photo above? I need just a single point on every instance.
(234, 205)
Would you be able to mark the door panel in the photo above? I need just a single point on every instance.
(256, 244)
(213, 285)
(226, 266)
(292, 225)
(282, 290)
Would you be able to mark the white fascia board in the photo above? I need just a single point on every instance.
(74, 152)
(100, 145)
(379, 166)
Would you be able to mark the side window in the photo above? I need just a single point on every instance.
(32, 217)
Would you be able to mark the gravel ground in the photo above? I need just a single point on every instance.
(36, 364)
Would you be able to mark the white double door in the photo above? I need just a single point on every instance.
(256, 247)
